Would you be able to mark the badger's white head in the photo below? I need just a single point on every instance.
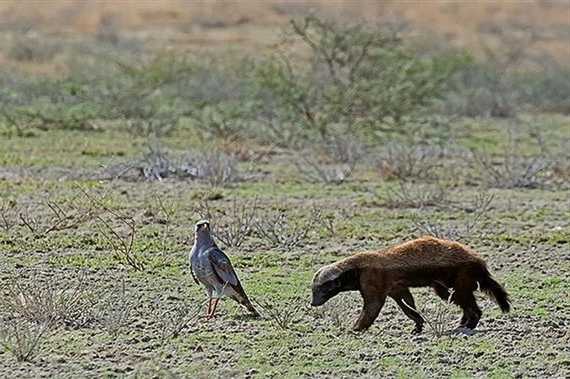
(330, 280)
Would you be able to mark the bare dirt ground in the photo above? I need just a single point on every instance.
(125, 322)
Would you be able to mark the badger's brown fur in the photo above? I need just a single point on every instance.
(453, 270)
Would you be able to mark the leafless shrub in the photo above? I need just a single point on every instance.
(155, 164)
(41, 303)
(344, 148)
(514, 170)
(121, 243)
(61, 217)
(280, 230)
(121, 239)
(478, 213)
(163, 213)
(315, 171)
(340, 157)
(406, 162)
(233, 225)
(22, 338)
(282, 315)
(218, 169)
(415, 195)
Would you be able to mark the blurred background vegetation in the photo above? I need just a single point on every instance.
(332, 79)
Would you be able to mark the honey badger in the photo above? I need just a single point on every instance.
(453, 270)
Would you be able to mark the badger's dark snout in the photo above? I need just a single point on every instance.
(317, 300)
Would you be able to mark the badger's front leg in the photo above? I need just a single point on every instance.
(370, 310)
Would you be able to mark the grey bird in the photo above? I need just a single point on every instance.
(212, 268)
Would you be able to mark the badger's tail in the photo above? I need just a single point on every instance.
(495, 290)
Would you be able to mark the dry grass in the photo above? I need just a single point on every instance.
(512, 169)
(42, 303)
(285, 231)
(439, 316)
(478, 213)
(22, 338)
(408, 162)
(416, 195)
(282, 315)
(115, 308)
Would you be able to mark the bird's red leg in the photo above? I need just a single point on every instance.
(215, 304)
(209, 307)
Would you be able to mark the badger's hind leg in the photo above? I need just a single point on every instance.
(405, 301)
(464, 297)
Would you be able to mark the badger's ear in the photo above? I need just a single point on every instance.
(327, 274)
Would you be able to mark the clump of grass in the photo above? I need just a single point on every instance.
(407, 162)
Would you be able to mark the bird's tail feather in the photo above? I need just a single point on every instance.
(246, 303)
(244, 300)
(252, 309)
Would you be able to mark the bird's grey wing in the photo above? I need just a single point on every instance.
(192, 268)
(193, 275)
(223, 267)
